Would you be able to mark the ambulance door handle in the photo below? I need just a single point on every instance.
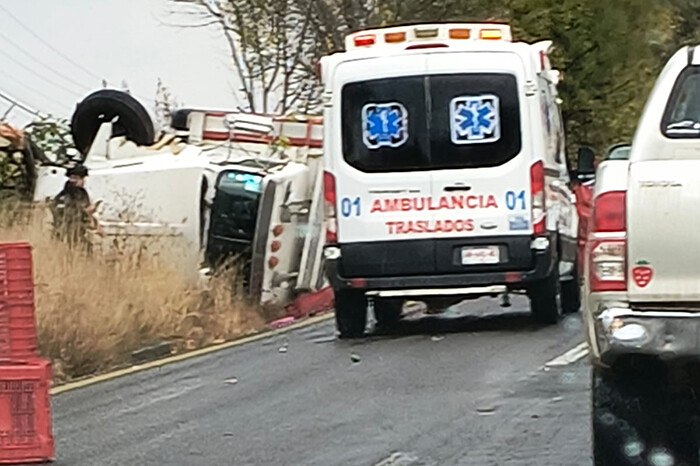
(455, 188)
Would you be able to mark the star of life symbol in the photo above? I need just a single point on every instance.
(475, 119)
(384, 125)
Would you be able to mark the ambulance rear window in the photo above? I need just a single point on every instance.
(384, 123)
(431, 122)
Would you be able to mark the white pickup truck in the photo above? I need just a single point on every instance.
(641, 300)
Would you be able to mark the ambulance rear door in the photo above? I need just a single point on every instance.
(481, 161)
(381, 163)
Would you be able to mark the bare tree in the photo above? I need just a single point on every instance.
(275, 45)
(164, 105)
(272, 45)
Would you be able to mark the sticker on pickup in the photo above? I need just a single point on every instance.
(642, 275)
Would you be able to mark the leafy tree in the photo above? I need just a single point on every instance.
(46, 140)
(52, 140)
(609, 52)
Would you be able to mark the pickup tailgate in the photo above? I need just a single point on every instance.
(663, 227)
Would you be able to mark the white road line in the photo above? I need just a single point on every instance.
(570, 357)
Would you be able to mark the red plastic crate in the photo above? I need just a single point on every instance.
(25, 413)
(5, 353)
(22, 330)
(16, 277)
(18, 342)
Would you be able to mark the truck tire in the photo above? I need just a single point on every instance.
(571, 293)
(101, 106)
(545, 298)
(350, 313)
(178, 120)
(616, 436)
(635, 417)
(388, 311)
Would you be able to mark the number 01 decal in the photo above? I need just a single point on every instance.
(350, 207)
(515, 201)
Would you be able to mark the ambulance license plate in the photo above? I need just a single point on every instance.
(481, 255)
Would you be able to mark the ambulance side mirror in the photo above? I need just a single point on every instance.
(555, 77)
(585, 170)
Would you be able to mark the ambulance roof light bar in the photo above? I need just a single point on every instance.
(407, 36)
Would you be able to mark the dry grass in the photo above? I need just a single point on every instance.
(93, 312)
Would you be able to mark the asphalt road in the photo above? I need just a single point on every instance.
(466, 388)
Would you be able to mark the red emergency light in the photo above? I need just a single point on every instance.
(365, 40)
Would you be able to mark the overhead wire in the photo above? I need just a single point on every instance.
(35, 73)
(47, 97)
(79, 85)
(61, 54)
(48, 44)
(16, 103)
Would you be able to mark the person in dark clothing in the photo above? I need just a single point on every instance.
(72, 210)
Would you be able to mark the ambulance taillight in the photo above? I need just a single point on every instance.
(537, 199)
(329, 198)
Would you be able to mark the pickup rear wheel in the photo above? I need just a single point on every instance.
(350, 313)
(571, 293)
(639, 418)
(619, 434)
(388, 311)
(545, 298)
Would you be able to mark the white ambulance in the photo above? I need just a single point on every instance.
(445, 173)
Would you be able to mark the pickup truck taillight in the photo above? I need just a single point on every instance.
(537, 198)
(607, 243)
(329, 208)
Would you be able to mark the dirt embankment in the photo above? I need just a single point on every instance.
(95, 312)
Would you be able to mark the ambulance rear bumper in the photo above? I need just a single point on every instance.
(514, 280)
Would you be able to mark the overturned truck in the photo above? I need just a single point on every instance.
(219, 185)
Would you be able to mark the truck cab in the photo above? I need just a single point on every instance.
(445, 172)
(221, 188)
(641, 300)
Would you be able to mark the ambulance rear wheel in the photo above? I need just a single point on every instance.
(545, 298)
(350, 313)
(388, 311)
(571, 293)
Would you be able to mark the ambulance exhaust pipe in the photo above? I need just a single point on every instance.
(505, 300)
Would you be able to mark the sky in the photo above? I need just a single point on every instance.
(132, 41)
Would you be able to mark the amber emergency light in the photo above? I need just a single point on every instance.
(414, 37)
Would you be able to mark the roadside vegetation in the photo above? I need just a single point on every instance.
(94, 312)
(609, 52)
